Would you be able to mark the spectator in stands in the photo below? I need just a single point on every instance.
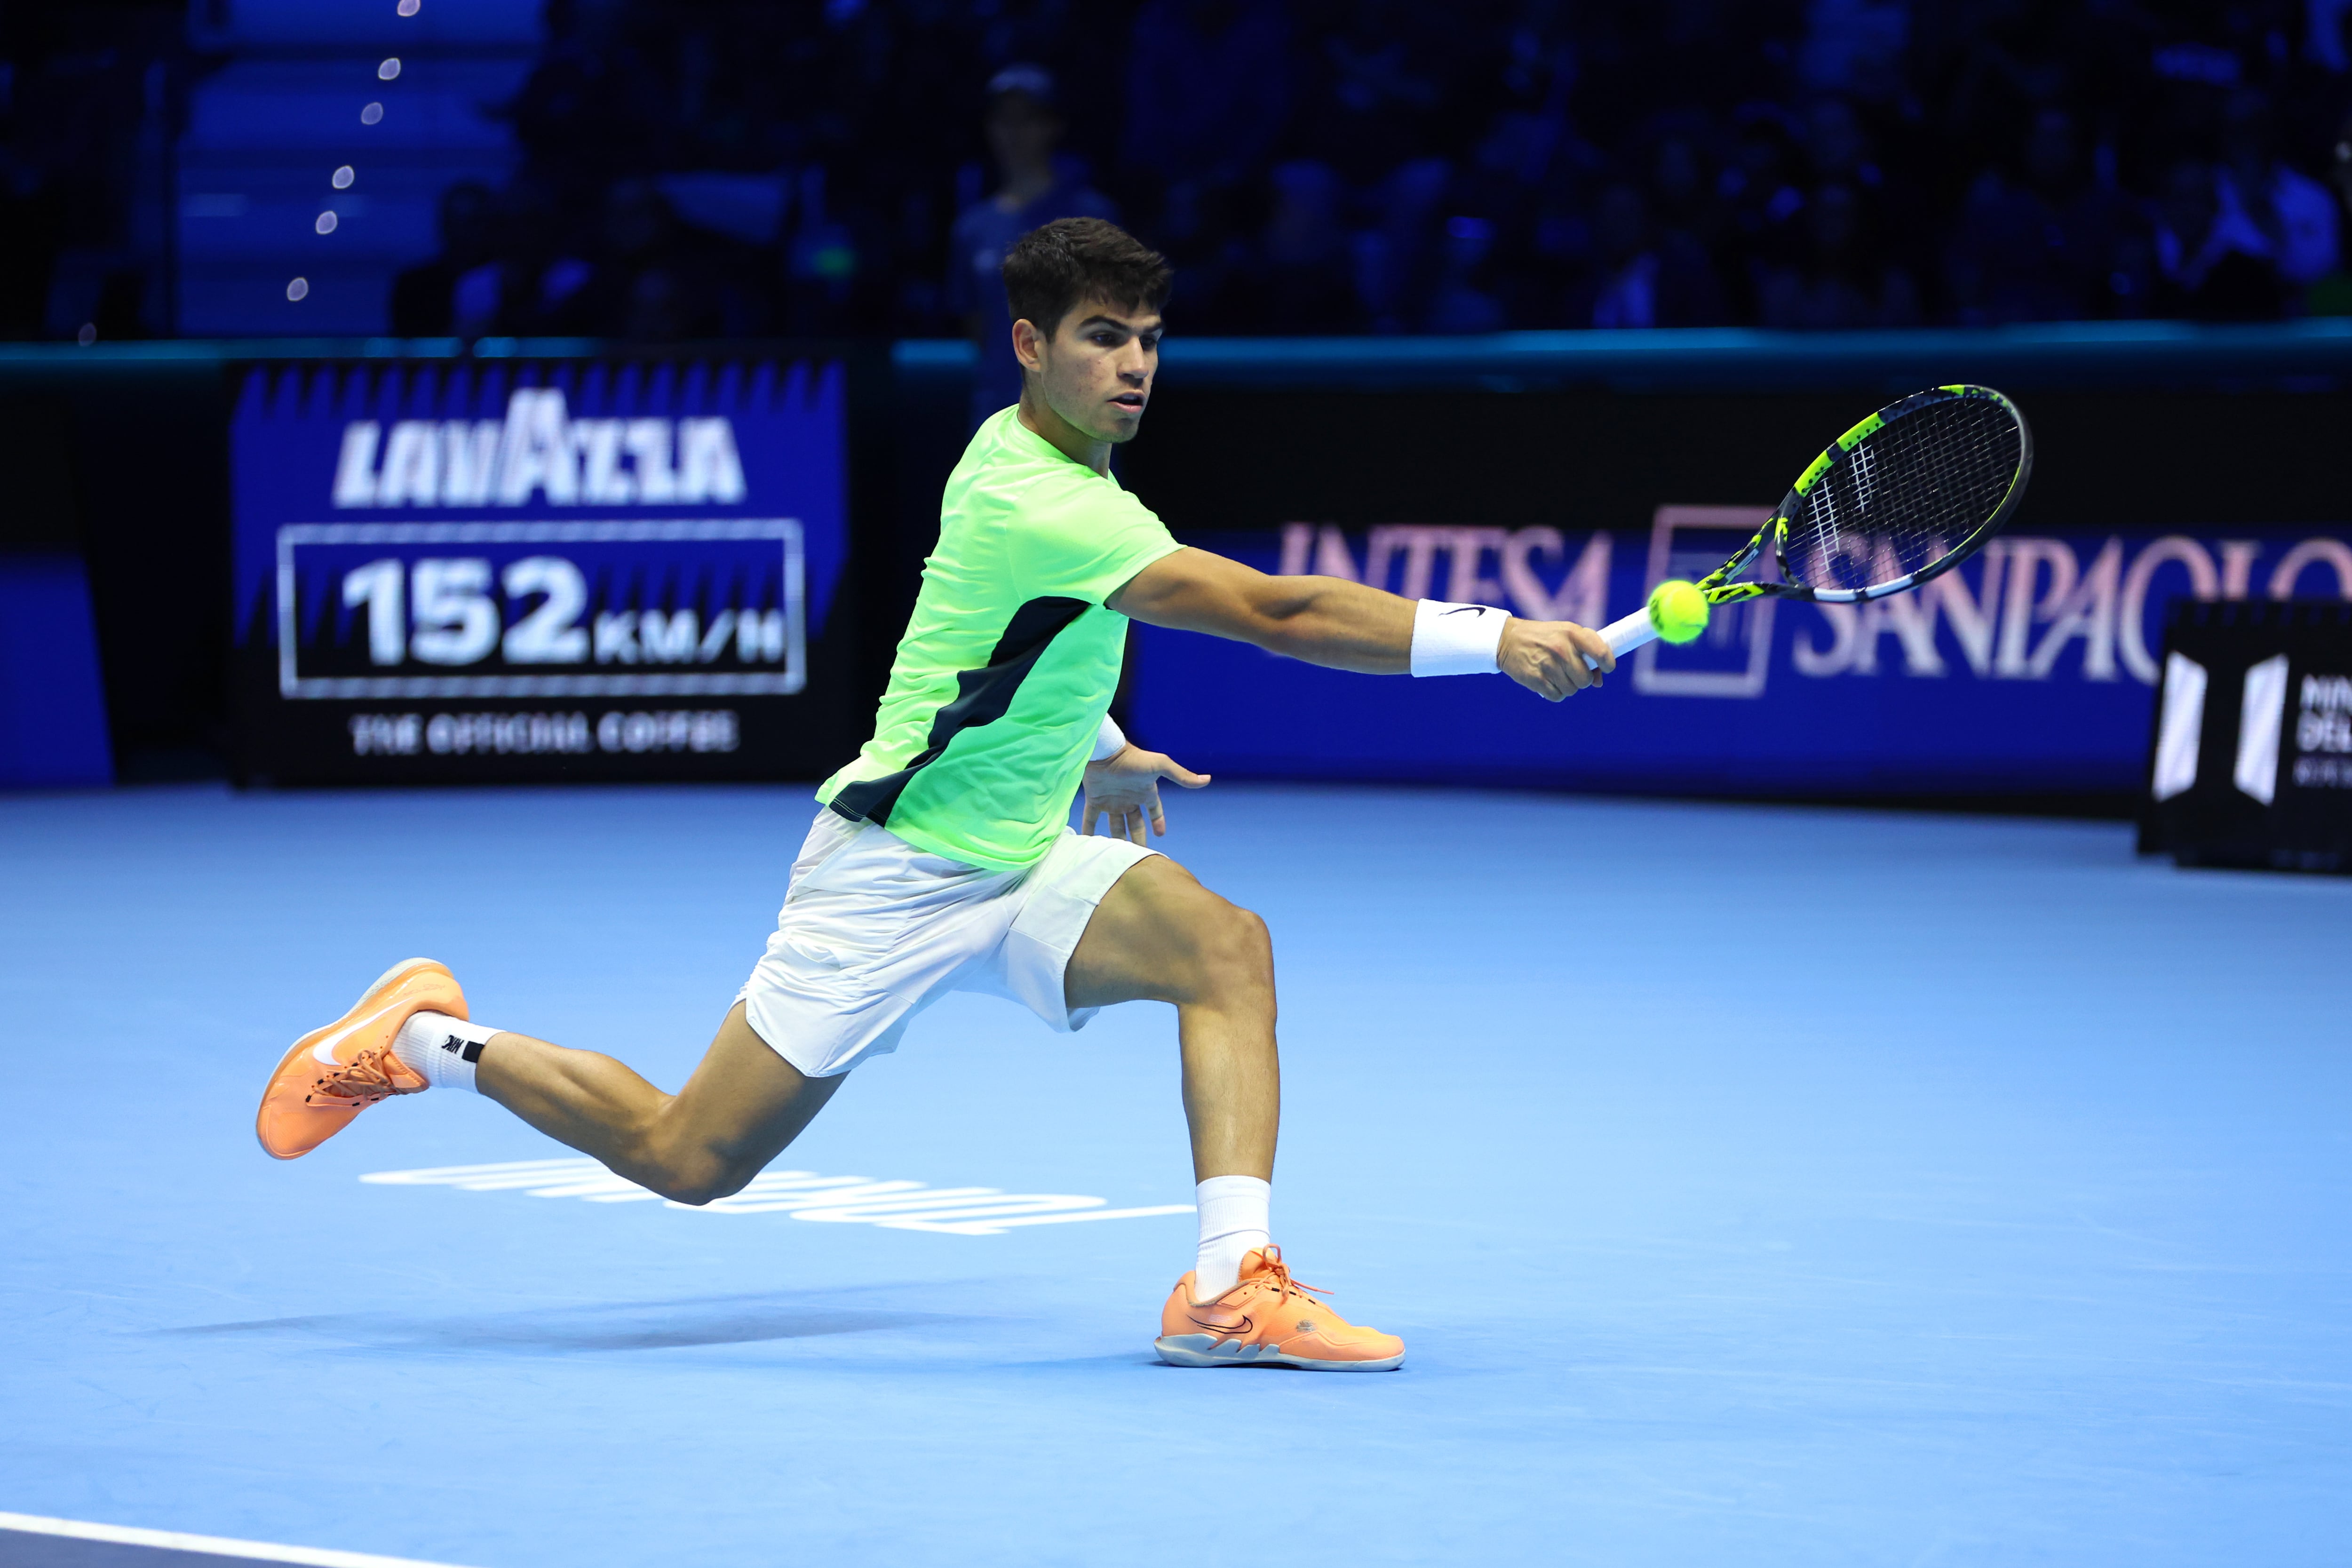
(2215, 263)
(532, 285)
(651, 282)
(1208, 95)
(1301, 282)
(1640, 281)
(2056, 246)
(1762, 200)
(1372, 87)
(1397, 261)
(1023, 127)
(424, 297)
(2332, 295)
(1841, 278)
(2292, 212)
(1464, 299)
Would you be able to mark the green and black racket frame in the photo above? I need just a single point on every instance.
(1899, 499)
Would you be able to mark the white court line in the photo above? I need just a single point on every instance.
(219, 1546)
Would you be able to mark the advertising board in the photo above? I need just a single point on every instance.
(2030, 671)
(2252, 764)
(576, 569)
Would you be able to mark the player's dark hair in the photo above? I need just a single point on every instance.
(1055, 267)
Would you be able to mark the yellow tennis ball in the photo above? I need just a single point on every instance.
(1679, 610)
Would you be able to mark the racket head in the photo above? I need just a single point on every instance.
(1905, 495)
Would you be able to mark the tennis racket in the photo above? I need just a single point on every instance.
(1902, 498)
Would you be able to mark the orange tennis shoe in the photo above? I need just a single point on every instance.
(331, 1075)
(1268, 1319)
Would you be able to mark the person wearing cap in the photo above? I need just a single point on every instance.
(1024, 126)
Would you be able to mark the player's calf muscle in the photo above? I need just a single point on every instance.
(743, 1105)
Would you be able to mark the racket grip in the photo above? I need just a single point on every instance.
(1626, 635)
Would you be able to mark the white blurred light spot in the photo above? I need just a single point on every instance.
(371, 114)
(389, 69)
(326, 224)
(407, 7)
(88, 335)
(343, 178)
(299, 289)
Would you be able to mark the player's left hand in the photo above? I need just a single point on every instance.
(1124, 791)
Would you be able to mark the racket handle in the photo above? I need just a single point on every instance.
(1625, 636)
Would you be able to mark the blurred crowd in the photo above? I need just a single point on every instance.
(812, 166)
(699, 167)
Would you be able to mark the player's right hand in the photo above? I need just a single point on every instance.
(1548, 657)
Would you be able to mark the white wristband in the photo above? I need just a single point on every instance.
(1456, 639)
(1109, 741)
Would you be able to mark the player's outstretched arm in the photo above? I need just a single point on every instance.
(1346, 626)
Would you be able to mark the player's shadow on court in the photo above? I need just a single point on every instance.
(618, 1326)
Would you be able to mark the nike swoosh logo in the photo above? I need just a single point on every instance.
(1224, 1328)
(1467, 610)
(324, 1051)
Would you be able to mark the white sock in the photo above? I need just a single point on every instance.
(443, 1048)
(1232, 1221)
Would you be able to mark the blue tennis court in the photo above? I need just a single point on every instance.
(1758, 1186)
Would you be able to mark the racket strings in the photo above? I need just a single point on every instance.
(1913, 491)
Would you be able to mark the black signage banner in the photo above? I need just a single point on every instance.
(2252, 762)
(537, 572)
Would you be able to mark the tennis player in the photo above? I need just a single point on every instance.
(943, 858)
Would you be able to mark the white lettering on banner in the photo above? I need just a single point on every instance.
(2131, 634)
(1913, 617)
(2015, 611)
(549, 635)
(1420, 545)
(2089, 612)
(603, 480)
(411, 465)
(2325, 723)
(2333, 552)
(538, 450)
(533, 734)
(469, 461)
(2238, 565)
(649, 441)
(2323, 733)
(801, 1195)
(355, 466)
(505, 734)
(709, 466)
(446, 610)
(714, 729)
(1582, 595)
(386, 735)
(668, 639)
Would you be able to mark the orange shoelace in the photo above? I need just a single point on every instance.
(1273, 1268)
(363, 1083)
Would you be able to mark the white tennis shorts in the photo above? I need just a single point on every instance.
(874, 930)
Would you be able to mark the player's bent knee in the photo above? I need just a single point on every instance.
(697, 1183)
(690, 1172)
(1236, 952)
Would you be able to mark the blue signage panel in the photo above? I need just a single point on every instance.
(572, 570)
(2028, 670)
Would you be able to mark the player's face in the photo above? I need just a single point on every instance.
(1097, 370)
